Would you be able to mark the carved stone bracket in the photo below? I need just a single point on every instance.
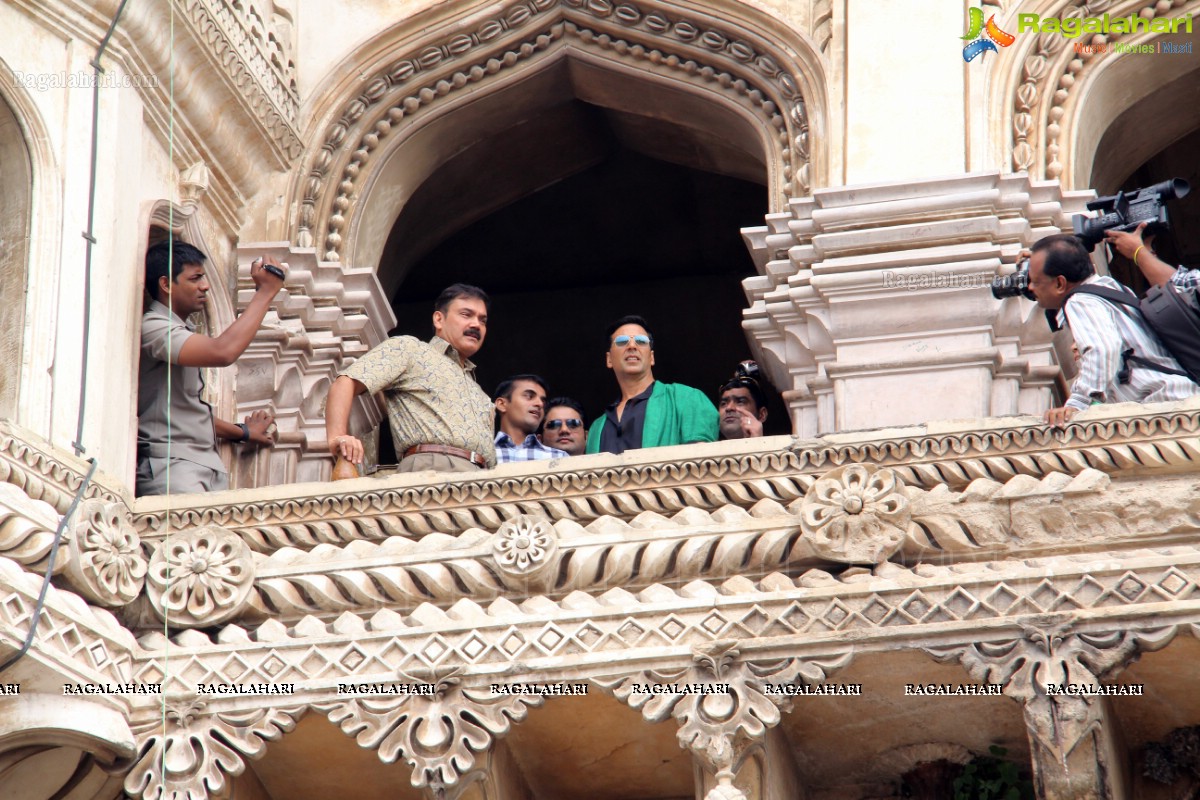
(190, 754)
(720, 702)
(1053, 656)
(107, 565)
(200, 577)
(438, 734)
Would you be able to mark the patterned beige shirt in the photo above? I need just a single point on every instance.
(431, 397)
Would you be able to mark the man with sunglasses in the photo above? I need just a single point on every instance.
(742, 403)
(520, 405)
(649, 413)
(562, 427)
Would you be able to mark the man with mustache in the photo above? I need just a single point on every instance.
(649, 413)
(520, 405)
(440, 418)
(177, 430)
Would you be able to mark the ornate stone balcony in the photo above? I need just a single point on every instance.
(990, 552)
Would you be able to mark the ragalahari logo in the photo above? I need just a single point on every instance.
(984, 37)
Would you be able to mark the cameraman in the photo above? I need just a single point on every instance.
(1141, 253)
(1107, 337)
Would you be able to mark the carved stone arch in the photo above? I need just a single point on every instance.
(30, 210)
(1056, 104)
(735, 60)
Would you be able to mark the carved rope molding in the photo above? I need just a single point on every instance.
(1053, 654)
(812, 616)
(44, 472)
(1050, 64)
(531, 556)
(1165, 440)
(696, 52)
(82, 640)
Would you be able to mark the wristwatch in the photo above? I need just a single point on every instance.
(245, 432)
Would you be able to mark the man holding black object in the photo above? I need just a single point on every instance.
(1121, 359)
(177, 430)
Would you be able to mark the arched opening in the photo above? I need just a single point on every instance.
(624, 217)
(1124, 152)
(573, 197)
(16, 187)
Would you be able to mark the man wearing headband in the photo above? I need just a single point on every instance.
(743, 404)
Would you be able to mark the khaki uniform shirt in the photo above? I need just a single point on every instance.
(191, 428)
(431, 397)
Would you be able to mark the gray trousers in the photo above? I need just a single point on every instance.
(186, 477)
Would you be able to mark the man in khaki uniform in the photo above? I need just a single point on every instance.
(440, 418)
(177, 430)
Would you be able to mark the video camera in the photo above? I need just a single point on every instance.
(1124, 211)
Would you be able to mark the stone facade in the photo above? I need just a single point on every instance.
(922, 570)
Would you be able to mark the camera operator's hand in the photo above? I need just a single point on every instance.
(1131, 245)
(1127, 242)
(264, 279)
(1059, 417)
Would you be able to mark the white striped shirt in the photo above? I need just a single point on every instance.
(1103, 331)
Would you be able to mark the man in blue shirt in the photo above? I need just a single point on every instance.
(520, 404)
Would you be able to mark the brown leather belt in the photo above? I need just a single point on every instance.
(447, 450)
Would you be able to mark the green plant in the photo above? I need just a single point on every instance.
(992, 777)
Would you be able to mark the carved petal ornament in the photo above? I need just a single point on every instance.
(856, 514)
(107, 564)
(525, 545)
(201, 576)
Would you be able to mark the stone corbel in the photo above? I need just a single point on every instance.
(439, 735)
(191, 754)
(27, 528)
(721, 728)
(1071, 736)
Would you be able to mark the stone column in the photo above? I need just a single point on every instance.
(872, 305)
(326, 315)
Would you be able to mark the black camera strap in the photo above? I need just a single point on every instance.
(1128, 303)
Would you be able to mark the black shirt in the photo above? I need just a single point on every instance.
(617, 437)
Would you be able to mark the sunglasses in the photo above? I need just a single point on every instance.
(555, 424)
(639, 340)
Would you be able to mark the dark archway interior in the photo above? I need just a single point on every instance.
(626, 233)
(1181, 243)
